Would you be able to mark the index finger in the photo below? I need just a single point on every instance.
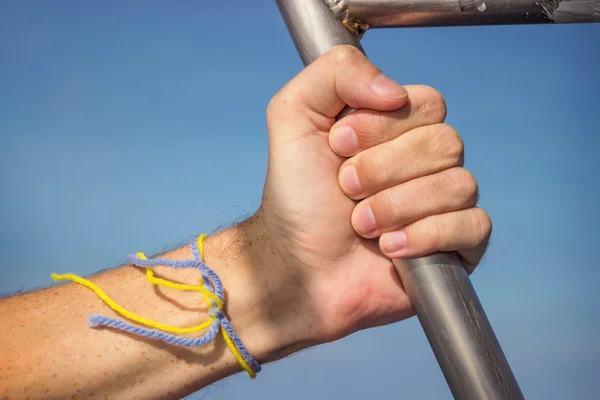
(366, 128)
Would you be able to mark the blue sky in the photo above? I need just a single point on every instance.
(131, 126)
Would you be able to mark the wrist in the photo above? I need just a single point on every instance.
(263, 294)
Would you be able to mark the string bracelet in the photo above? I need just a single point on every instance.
(211, 288)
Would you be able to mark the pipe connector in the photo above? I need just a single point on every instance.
(354, 25)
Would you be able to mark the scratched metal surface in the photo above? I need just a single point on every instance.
(396, 13)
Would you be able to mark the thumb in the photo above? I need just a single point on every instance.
(342, 76)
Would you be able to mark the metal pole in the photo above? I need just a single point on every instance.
(447, 306)
(457, 328)
(396, 13)
(314, 28)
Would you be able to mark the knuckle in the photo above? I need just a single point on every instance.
(274, 107)
(373, 171)
(448, 143)
(462, 182)
(432, 233)
(432, 105)
(345, 53)
(370, 126)
(379, 170)
(390, 204)
(482, 223)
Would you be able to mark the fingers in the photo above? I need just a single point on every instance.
(450, 190)
(467, 231)
(422, 151)
(415, 194)
(365, 128)
(342, 76)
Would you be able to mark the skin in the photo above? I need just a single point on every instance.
(307, 268)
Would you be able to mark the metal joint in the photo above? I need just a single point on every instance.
(350, 22)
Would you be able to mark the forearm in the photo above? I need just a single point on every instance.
(65, 357)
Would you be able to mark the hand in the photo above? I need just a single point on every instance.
(316, 232)
(311, 266)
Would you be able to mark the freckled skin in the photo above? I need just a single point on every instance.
(68, 359)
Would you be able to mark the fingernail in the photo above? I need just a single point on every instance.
(385, 87)
(344, 141)
(364, 221)
(349, 180)
(393, 242)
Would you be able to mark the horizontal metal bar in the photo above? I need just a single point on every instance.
(366, 14)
